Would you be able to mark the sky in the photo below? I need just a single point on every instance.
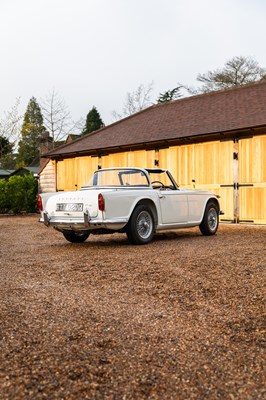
(93, 52)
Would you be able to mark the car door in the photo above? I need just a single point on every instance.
(174, 206)
(196, 205)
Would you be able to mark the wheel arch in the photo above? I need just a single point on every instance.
(211, 200)
(149, 203)
(215, 201)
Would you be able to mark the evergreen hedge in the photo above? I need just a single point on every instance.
(18, 194)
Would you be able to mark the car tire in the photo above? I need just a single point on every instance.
(76, 237)
(210, 221)
(141, 227)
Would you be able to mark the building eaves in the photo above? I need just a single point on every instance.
(228, 110)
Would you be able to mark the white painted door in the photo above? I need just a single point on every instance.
(174, 206)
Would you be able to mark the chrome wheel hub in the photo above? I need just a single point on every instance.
(144, 224)
(212, 219)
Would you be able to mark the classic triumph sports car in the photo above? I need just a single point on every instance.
(131, 200)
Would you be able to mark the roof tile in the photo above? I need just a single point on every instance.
(222, 111)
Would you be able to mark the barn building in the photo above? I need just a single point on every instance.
(214, 141)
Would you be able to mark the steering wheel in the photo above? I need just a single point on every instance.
(160, 183)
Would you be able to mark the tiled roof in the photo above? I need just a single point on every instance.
(33, 170)
(215, 112)
(4, 172)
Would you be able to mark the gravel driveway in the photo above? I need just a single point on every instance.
(180, 318)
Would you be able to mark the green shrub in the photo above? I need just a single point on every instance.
(18, 194)
(4, 198)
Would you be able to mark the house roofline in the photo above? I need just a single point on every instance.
(236, 134)
(53, 153)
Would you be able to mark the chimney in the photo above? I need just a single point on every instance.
(46, 143)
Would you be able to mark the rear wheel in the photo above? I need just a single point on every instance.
(76, 237)
(210, 222)
(141, 227)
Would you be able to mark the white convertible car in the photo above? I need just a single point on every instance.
(131, 200)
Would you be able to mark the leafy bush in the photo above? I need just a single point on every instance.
(18, 194)
(4, 202)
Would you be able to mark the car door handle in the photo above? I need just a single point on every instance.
(161, 196)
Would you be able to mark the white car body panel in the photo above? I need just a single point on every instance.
(172, 207)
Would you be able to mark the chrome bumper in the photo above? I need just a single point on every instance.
(81, 223)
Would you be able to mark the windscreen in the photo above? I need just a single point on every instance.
(118, 178)
(160, 176)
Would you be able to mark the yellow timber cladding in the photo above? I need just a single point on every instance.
(234, 170)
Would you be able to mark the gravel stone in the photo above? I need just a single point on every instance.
(180, 318)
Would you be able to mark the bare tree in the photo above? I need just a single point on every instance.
(135, 101)
(237, 71)
(10, 125)
(57, 118)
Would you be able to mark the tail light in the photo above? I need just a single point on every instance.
(100, 202)
(39, 203)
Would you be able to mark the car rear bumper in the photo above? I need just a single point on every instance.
(82, 224)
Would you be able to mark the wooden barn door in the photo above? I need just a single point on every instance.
(214, 170)
(72, 173)
(141, 158)
(138, 158)
(114, 160)
(65, 174)
(234, 170)
(252, 180)
(204, 166)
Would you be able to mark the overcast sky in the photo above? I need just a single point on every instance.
(92, 52)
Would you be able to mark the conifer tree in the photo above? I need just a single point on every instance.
(5, 146)
(169, 95)
(6, 154)
(28, 151)
(93, 121)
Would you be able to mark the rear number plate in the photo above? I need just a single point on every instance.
(69, 207)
